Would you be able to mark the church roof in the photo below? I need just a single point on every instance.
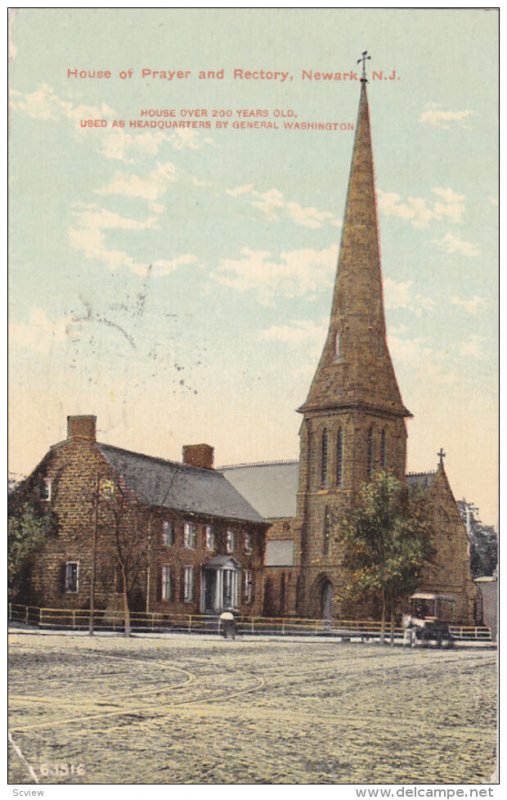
(169, 484)
(355, 368)
(270, 487)
(421, 479)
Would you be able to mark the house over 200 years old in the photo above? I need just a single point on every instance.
(180, 535)
(259, 537)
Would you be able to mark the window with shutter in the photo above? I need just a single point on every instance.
(167, 583)
(188, 584)
(72, 576)
(167, 533)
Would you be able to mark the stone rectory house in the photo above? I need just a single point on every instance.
(190, 541)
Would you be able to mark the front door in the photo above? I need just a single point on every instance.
(220, 587)
(326, 599)
(210, 582)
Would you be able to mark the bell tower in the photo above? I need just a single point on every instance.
(354, 417)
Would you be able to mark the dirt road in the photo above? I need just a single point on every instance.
(196, 710)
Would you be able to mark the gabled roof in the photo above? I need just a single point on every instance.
(221, 561)
(168, 484)
(271, 487)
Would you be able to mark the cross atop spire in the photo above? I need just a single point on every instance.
(441, 456)
(364, 58)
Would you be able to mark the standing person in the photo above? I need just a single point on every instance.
(228, 623)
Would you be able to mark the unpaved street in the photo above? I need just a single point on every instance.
(186, 709)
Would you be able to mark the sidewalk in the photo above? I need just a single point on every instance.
(208, 637)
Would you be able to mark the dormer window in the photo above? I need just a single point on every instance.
(45, 489)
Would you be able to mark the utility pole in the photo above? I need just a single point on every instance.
(94, 556)
(148, 568)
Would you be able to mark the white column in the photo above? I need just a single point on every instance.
(235, 589)
(218, 591)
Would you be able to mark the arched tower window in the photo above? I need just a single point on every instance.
(369, 453)
(383, 450)
(339, 457)
(323, 463)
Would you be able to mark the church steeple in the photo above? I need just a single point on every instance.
(355, 369)
(354, 417)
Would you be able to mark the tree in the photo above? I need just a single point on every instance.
(121, 517)
(28, 528)
(483, 541)
(387, 538)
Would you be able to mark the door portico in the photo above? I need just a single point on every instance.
(220, 584)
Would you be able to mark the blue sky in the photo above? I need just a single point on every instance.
(177, 281)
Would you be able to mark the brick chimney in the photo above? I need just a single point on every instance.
(82, 427)
(198, 455)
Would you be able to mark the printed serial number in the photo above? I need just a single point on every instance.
(59, 770)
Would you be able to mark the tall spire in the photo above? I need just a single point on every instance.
(355, 369)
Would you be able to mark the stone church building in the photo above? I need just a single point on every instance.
(353, 423)
(259, 537)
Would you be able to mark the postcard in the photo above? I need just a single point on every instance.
(254, 319)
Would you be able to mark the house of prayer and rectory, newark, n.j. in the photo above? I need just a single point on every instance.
(240, 74)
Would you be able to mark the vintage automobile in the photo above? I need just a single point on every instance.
(429, 619)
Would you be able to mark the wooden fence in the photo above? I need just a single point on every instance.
(77, 619)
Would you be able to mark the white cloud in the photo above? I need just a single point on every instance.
(163, 267)
(149, 187)
(128, 147)
(402, 295)
(453, 244)
(430, 365)
(91, 241)
(40, 333)
(296, 273)
(185, 138)
(239, 190)
(296, 332)
(93, 217)
(117, 144)
(470, 304)
(436, 116)
(273, 204)
(43, 103)
(88, 237)
(418, 211)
